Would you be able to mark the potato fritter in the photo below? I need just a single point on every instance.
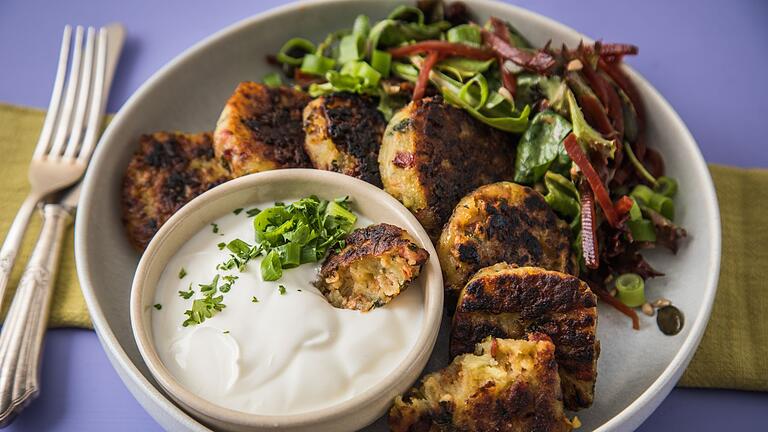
(260, 129)
(505, 386)
(509, 302)
(433, 154)
(502, 222)
(166, 172)
(343, 134)
(377, 263)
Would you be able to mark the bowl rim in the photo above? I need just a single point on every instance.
(358, 190)
(630, 417)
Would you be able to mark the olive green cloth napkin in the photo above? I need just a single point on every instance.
(733, 353)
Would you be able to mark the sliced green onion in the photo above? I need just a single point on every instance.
(291, 255)
(465, 33)
(271, 270)
(362, 26)
(634, 212)
(350, 48)
(642, 230)
(342, 216)
(639, 165)
(314, 64)
(475, 100)
(272, 79)
(655, 201)
(405, 71)
(382, 62)
(308, 254)
(407, 13)
(631, 289)
(361, 69)
(295, 44)
(666, 186)
(239, 247)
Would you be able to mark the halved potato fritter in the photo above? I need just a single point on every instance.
(166, 172)
(505, 386)
(509, 302)
(502, 222)
(343, 134)
(260, 129)
(433, 154)
(376, 264)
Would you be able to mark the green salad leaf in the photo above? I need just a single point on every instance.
(540, 146)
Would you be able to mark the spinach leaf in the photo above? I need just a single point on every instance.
(540, 145)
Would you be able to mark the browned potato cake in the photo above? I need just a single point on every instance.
(433, 154)
(166, 172)
(377, 263)
(510, 302)
(260, 129)
(344, 133)
(506, 386)
(502, 222)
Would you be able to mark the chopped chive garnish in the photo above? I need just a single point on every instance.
(221, 245)
(186, 295)
(215, 228)
(281, 289)
(182, 273)
(203, 309)
(226, 331)
(252, 212)
(237, 211)
(158, 306)
(254, 299)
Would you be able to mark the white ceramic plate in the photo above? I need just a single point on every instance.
(636, 369)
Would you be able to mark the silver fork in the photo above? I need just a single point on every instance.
(76, 120)
(69, 132)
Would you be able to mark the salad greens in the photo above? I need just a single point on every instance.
(540, 146)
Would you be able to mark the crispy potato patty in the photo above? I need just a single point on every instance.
(260, 129)
(376, 264)
(343, 134)
(502, 222)
(505, 385)
(509, 302)
(166, 172)
(432, 154)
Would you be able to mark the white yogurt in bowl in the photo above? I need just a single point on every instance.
(274, 351)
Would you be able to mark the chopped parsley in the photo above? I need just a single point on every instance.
(221, 245)
(237, 211)
(281, 289)
(186, 295)
(203, 309)
(158, 306)
(182, 273)
(254, 299)
(252, 212)
(215, 228)
(226, 331)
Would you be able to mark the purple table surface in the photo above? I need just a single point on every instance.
(707, 58)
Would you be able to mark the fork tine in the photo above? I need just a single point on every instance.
(98, 99)
(58, 85)
(82, 98)
(62, 129)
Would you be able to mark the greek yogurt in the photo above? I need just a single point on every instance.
(274, 351)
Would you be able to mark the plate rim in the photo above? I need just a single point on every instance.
(628, 418)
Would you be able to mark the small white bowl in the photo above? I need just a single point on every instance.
(370, 202)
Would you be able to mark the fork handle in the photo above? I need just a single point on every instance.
(12, 242)
(22, 334)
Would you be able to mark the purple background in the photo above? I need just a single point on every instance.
(709, 59)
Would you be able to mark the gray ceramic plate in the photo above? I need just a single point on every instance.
(637, 369)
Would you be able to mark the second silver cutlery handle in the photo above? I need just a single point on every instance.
(22, 334)
(12, 242)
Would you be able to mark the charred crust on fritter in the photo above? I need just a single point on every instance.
(507, 302)
(373, 240)
(355, 126)
(260, 128)
(448, 169)
(166, 172)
